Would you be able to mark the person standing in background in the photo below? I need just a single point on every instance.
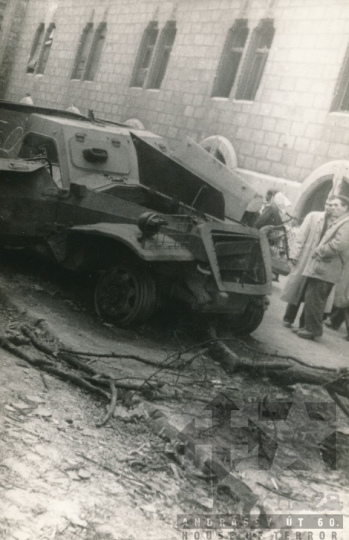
(270, 214)
(308, 237)
(341, 300)
(323, 267)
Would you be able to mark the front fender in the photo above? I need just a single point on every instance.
(158, 248)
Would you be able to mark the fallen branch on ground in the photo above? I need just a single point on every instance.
(78, 381)
(96, 377)
(114, 397)
(43, 347)
(129, 476)
(49, 367)
(116, 355)
(285, 373)
(275, 355)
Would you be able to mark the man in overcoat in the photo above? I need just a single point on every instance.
(322, 264)
(307, 239)
(325, 268)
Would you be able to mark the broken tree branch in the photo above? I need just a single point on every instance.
(43, 347)
(5, 344)
(117, 473)
(79, 381)
(115, 355)
(274, 355)
(114, 397)
(49, 367)
(137, 384)
(282, 373)
(95, 378)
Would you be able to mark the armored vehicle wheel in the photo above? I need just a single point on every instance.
(247, 322)
(125, 294)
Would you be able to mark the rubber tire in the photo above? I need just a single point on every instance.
(246, 322)
(142, 292)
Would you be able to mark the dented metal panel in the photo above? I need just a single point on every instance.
(167, 250)
(160, 171)
(237, 193)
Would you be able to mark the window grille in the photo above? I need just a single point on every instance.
(96, 52)
(162, 55)
(45, 51)
(230, 59)
(256, 60)
(83, 52)
(145, 54)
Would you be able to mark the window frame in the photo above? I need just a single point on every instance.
(46, 49)
(82, 52)
(36, 48)
(248, 85)
(223, 84)
(145, 52)
(161, 56)
(96, 52)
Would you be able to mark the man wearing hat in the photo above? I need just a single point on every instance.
(324, 268)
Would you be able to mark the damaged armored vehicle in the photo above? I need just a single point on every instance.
(155, 225)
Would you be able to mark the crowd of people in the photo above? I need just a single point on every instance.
(320, 270)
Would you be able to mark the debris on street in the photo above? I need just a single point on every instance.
(103, 416)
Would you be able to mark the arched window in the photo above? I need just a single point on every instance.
(162, 55)
(145, 54)
(230, 59)
(45, 52)
(256, 60)
(36, 48)
(96, 52)
(83, 51)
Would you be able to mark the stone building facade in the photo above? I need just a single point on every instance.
(12, 14)
(267, 79)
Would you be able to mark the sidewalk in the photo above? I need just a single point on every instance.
(332, 350)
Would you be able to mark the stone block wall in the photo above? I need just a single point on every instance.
(286, 132)
(12, 14)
